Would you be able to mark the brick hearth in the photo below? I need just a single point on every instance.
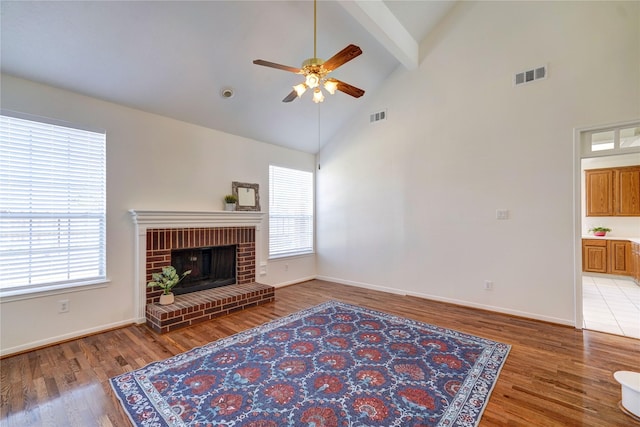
(196, 307)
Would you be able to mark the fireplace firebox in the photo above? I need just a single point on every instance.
(211, 267)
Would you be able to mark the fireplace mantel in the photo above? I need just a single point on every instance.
(172, 219)
(145, 220)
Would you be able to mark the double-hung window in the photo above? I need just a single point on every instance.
(52, 205)
(290, 212)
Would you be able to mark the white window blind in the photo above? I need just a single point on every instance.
(290, 212)
(52, 204)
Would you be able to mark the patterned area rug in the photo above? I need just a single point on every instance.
(331, 365)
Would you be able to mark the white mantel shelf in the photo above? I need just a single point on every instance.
(166, 219)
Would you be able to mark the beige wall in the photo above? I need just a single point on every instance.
(153, 163)
(409, 204)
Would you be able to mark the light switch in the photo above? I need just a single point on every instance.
(502, 214)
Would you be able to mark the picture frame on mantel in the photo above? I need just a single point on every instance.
(248, 196)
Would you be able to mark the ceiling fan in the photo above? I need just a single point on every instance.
(315, 71)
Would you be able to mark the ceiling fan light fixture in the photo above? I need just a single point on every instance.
(318, 96)
(300, 89)
(331, 86)
(312, 80)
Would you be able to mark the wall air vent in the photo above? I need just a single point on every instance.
(377, 116)
(529, 76)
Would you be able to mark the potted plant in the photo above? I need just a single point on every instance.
(167, 280)
(599, 231)
(230, 201)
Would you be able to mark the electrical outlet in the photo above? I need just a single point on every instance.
(488, 285)
(63, 306)
(286, 267)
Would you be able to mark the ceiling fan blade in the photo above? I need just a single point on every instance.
(292, 95)
(348, 89)
(345, 55)
(278, 66)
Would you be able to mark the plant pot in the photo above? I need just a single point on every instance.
(229, 206)
(166, 299)
(599, 233)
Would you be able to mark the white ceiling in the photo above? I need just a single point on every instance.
(173, 58)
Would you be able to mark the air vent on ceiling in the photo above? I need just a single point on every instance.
(529, 76)
(377, 116)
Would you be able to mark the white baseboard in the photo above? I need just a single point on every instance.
(502, 310)
(464, 303)
(362, 285)
(65, 337)
(102, 328)
(293, 282)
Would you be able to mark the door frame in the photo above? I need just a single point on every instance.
(580, 153)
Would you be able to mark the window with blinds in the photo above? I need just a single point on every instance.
(52, 204)
(290, 212)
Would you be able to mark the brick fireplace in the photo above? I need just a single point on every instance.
(160, 232)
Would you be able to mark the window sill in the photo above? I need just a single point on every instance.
(9, 295)
(294, 255)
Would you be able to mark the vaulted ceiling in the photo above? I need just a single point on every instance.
(174, 58)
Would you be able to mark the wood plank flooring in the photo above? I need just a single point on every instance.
(554, 375)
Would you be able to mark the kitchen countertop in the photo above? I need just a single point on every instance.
(610, 237)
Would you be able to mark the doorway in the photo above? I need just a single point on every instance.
(606, 302)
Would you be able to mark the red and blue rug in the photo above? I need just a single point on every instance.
(331, 365)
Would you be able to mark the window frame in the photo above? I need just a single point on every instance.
(309, 237)
(587, 142)
(96, 213)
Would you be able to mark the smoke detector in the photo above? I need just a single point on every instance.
(227, 92)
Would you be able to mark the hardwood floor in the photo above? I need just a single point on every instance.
(554, 375)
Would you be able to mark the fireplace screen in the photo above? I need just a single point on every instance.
(210, 268)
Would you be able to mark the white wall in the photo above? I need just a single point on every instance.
(152, 163)
(409, 204)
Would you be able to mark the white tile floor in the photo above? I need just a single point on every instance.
(611, 305)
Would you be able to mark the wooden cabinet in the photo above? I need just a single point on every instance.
(613, 191)
(635, 262)
(626, 187)
(607, 256)
(599, 189)
(619, 257)
(594, 255)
